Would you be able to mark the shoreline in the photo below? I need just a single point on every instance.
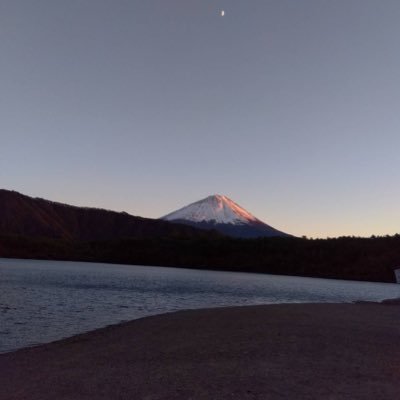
(390, 301)
(299, 351)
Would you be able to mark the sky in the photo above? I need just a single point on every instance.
(288, 107)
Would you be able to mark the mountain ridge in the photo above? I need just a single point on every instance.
(177, 245)
(36, 217)
(221, 213)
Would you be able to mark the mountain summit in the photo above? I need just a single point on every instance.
(224, 215)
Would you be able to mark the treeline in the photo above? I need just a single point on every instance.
(369, 259)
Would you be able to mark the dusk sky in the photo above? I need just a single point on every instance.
(289, 107)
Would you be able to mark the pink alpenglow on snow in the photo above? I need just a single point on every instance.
(223, 214)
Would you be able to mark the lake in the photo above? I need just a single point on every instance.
(43, 301)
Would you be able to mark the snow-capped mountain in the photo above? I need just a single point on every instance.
(221, 213)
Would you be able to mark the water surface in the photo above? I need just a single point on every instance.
(42, 301)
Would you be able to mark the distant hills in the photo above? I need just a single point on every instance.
(34, 217)
(224, 215)
(41, 229)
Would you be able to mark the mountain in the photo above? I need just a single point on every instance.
(22, 215)
(224, 215)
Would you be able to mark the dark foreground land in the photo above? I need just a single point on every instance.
(321, 351)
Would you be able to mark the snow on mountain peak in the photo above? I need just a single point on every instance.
(217, 208)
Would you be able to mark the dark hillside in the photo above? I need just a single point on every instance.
(31, 217)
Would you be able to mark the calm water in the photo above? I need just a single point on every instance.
(41, 301)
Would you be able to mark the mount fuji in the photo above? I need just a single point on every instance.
(224, 215)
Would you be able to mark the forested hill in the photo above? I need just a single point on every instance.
(343, 258)
(38, 218)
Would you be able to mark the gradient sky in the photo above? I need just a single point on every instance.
(289, 107)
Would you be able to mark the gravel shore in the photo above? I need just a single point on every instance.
(298, 351)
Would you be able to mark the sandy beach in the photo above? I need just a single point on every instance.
(313, 351)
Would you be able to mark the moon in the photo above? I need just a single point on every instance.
(222, 13)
